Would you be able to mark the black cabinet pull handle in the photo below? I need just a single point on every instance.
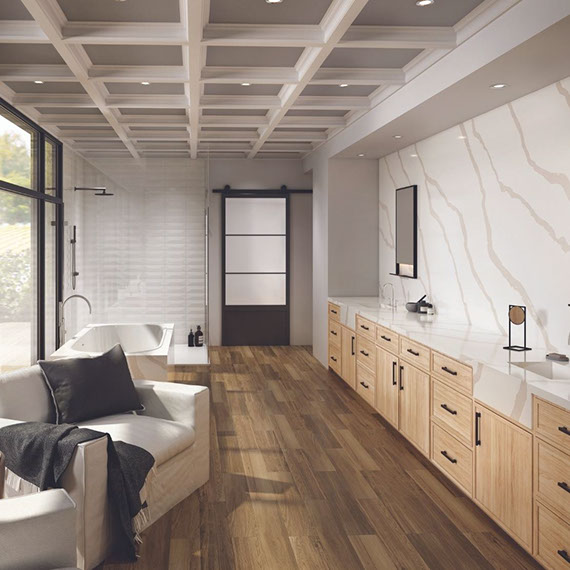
(387, 339)
(477, 428)
(564, 486)
(352, 345)
(363, 384)
(394, 364)
(444, 453)
(365, 353)
(446, 369)
(413, 352)
(365, 327)
(333, 332)
(401, 377)
(334, 312)
(447, 409)
(333, 358)
(564, 555)
(564, 429)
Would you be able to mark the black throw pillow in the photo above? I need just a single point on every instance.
(89, 388)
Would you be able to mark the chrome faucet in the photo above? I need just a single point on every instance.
(61, 325)
(393, 302)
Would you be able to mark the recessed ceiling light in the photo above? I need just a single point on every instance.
(145, 82)
(245, 84)
(424, 2)
(397, 136)
(343, 85)
(273, 1)
(461, 137)
(414, 155)
(360, 155)
(498, 85)
(38, 82)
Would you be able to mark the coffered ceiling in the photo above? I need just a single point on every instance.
(232, 78)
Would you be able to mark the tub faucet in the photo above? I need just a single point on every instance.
(61, 324)
(393, 301)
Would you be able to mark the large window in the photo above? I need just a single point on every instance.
(30, 240)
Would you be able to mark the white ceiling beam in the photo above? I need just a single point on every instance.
(262, 35)
(334, 24)
(21, 32)
(224, 145)
(233, 121)
(398, 37)
(159, 135)
(138, 101)
(330, 103)
(243, 102)
(109, 134)
(256, 75)
(123, 33)
(153, 120)
(303, 121)
(27, 72)
(73, 120)
(54, 100)
(235, 136)
(297, 136)
(138, 73)
(50, 17)
(283, 147)
(358, 76)
(172, 146)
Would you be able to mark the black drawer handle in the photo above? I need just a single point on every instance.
(334, 312)
(564, 429)
(401, 377)
(394, 364)
(413, 352)
(564, 486)
(446, 369)
(352, 339)
(564, 555)
(387, 339)
(365, 327)
(364, 385)
(477, 428)
(333, 358)
(365, 353)
(444, 453)
(447, 409)
(333, 332)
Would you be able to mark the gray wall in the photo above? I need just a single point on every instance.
(262, 175)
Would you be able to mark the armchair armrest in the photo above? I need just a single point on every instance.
(38, 531)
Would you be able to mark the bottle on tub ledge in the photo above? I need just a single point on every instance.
(191, 338)
(199, 337)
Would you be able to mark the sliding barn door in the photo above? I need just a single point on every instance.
(255, 270)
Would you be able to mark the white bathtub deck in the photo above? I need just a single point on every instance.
(189, 355)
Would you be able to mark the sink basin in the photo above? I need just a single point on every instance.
(547, 369)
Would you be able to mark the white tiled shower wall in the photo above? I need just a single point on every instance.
(140, 253)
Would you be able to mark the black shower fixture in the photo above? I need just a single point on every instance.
(99, 190)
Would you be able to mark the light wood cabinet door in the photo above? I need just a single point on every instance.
(348, 357)
(387, 385)
(503, 472)
(414, 407)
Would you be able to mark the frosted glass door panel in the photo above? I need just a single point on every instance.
(256, 289)
(256, 216)
(256, 254)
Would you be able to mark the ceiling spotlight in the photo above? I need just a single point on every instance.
(245, 84)
(273, 1)
(145, 82)
(397, 136)
(424, 2)
(498, 85)
(38, 82)
(414, 155)
(360, 155)
(343, 85)
(461, 137)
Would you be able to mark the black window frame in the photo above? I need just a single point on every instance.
(42, 198)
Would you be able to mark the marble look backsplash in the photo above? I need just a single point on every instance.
(493, 217)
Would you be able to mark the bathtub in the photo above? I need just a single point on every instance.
(149, 347)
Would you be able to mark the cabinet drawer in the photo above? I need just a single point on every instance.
(416, 353)
(334, 358)
(552, 422)
(387, 339)
(365, 327)
(453, 409)
(453, 457)
(553, 476)
(553, 544)
(365, 352)
(365, 383)
(334, 312)
(334, 332)
(453, 372)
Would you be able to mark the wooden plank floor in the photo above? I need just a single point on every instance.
(305, 475)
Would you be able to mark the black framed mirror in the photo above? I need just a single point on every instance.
(407, 232)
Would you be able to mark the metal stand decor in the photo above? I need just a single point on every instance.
(517, 316)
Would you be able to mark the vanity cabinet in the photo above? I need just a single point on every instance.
(414, 409)
(348, 356)
(503, 474)
(387, 389)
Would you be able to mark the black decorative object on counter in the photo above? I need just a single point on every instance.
(517, 316)
(191, 338)
(199, 337)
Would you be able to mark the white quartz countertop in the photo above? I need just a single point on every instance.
(498, 381)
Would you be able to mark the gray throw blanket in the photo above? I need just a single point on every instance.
(40, 453)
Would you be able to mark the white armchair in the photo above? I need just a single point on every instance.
(37, 532)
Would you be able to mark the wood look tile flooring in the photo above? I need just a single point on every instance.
(304, 474)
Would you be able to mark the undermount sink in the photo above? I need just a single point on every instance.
(547, 369)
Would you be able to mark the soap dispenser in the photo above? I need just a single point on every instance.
(191, 338)
(199, 337)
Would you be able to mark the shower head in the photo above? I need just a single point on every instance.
(104, 193)
(99, 190)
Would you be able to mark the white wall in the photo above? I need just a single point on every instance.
(242, 174)
(493, 211)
